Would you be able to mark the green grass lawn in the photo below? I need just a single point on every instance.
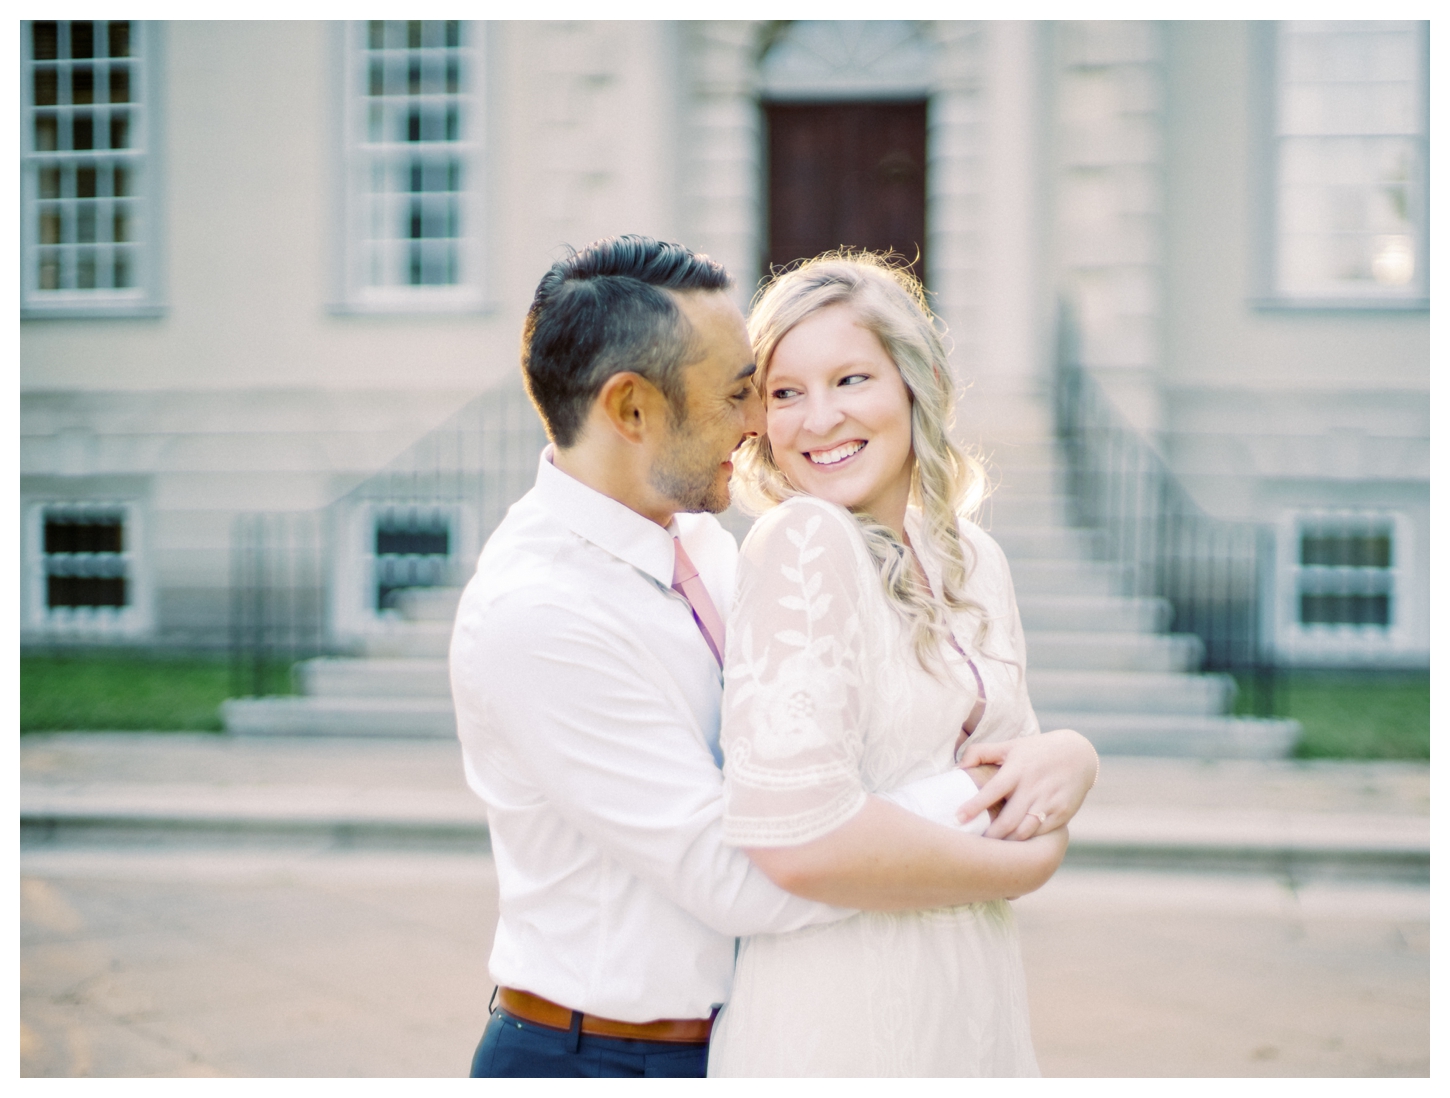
(1355, 714)
(123, 692)
(1345, 714)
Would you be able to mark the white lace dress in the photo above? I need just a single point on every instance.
(826, 703)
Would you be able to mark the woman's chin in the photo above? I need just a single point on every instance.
(834, 493)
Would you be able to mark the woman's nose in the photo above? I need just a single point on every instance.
(822, 416)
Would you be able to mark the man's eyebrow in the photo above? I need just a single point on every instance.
(745, 372)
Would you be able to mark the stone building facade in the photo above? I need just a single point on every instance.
(262, 260)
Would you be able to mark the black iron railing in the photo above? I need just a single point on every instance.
(1215, 574)
(299, 579)
(278, 598)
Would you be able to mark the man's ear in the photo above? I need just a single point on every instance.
(631, 405)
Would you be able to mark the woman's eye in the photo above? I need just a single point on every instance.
(782, 394)
(854, 379)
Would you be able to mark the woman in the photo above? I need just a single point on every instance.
(873, 628)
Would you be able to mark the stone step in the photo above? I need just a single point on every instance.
(1161, 692)
(1037, 451)
(1119, 733)
(1034, 576)
(1004, 416)
(1004, 510)
(1093, 613)
(1025, 480)
(1047, 651)
(1113, 651)
(428, 603)
(365, 678)
(1179, 736)
(423, 718)
(1047, 543)
(409, 640)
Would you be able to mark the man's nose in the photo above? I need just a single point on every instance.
(754, 414)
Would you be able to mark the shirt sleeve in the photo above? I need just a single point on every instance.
(618, 759)
(791, 725)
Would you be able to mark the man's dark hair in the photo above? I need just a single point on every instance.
(604, 310)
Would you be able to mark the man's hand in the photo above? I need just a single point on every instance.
(1042, 779)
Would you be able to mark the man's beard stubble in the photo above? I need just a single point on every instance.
(686, 474)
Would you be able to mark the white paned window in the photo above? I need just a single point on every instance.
(85, 183)
(413, 117)
(391, 547)
(83, 575)
(410, 549)
(1342, 578)
(1351, 162)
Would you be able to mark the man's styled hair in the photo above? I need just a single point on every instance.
(604, 310)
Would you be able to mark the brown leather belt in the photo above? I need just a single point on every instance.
(528, 1007)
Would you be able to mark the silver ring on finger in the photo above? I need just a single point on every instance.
(1041, 818)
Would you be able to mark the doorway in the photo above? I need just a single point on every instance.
(846, 174)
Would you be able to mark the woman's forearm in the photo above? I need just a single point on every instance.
(886, 859)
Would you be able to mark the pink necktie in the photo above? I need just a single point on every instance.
(687, 582)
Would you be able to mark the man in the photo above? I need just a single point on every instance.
(586, 677)
(588, 696)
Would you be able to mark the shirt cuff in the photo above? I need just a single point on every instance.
(937, 799)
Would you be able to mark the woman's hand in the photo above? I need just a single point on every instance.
(1042, 779)
(980, 776)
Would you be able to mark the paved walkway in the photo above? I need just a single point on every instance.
(1294, 818)
(171, 926)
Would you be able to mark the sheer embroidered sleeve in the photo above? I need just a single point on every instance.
(794, 694)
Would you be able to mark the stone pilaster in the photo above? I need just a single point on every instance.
(1109, 203)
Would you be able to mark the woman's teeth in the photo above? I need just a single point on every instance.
(839, 453)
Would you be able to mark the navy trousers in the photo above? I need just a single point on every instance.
(521, 1050)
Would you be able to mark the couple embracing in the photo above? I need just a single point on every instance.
(757, 811)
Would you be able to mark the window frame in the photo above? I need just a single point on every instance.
(1266, 293)
(85, 623)
(1343, 644)
(148, 298)
(354, 612)
(472, 294)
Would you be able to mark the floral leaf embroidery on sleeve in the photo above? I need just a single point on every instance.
(801, 707)
(792, 717)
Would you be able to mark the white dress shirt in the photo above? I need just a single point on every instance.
(589, 711)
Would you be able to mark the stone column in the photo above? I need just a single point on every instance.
(1012, 343)
(721, 207)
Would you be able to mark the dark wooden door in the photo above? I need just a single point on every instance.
(846, 174)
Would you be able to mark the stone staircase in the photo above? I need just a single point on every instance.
(1098, 661)
(398, 687)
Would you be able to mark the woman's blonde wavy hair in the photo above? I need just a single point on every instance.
(946, 482)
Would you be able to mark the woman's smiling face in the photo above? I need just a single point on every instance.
(838, 416)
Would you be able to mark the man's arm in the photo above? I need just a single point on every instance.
(887, 859)
(616, 755)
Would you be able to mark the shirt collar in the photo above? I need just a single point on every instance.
(606, 522)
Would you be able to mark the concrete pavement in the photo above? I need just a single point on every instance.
(198, 905)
